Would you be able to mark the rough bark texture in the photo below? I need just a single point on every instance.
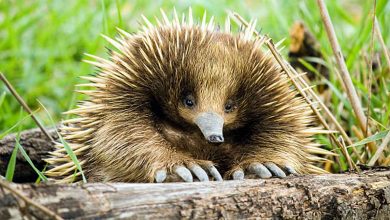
(36, 145)
(334, 196)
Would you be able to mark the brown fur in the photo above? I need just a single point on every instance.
(135, 122)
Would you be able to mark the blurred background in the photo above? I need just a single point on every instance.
(42, 44)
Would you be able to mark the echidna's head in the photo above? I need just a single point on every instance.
(211, 83)
(201, 90)
(209, 91)
(194, 76)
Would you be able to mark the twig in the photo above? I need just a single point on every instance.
(345, 76)
(24, 105)
(370, 78)
(29, 201)
(382, 42)
(344, 148)
(379, 151)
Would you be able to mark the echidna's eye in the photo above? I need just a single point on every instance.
(229, 106)
(189, 101)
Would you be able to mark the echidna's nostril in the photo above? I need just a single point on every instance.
(215, 139)
(211, 126)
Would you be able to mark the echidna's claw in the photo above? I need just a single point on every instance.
(290, 170)
(263, 170)
(238, 175)
(160, 176)
(214, 172)
(200, 173)
(260, 170)
(275, 170)
(189, 172)
(184, 173)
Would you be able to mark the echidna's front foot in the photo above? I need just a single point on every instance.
(264, 171)
(185, 173)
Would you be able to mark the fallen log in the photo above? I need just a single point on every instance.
(332, 196)
(36, 144)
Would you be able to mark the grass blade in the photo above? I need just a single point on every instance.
(72, 156)
(16, 125)
(372, 138)
(12, 161)
(105, 20)
(379, 151)
(38, 180)
(9, 175)
(118, 10)
(27, 158)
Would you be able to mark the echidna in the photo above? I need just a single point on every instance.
(190, 101)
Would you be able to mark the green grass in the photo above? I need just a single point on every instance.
(42, 45)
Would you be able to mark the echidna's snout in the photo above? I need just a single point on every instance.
(211, 125)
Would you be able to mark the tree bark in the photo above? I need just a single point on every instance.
(36, 144)
(333, 196)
